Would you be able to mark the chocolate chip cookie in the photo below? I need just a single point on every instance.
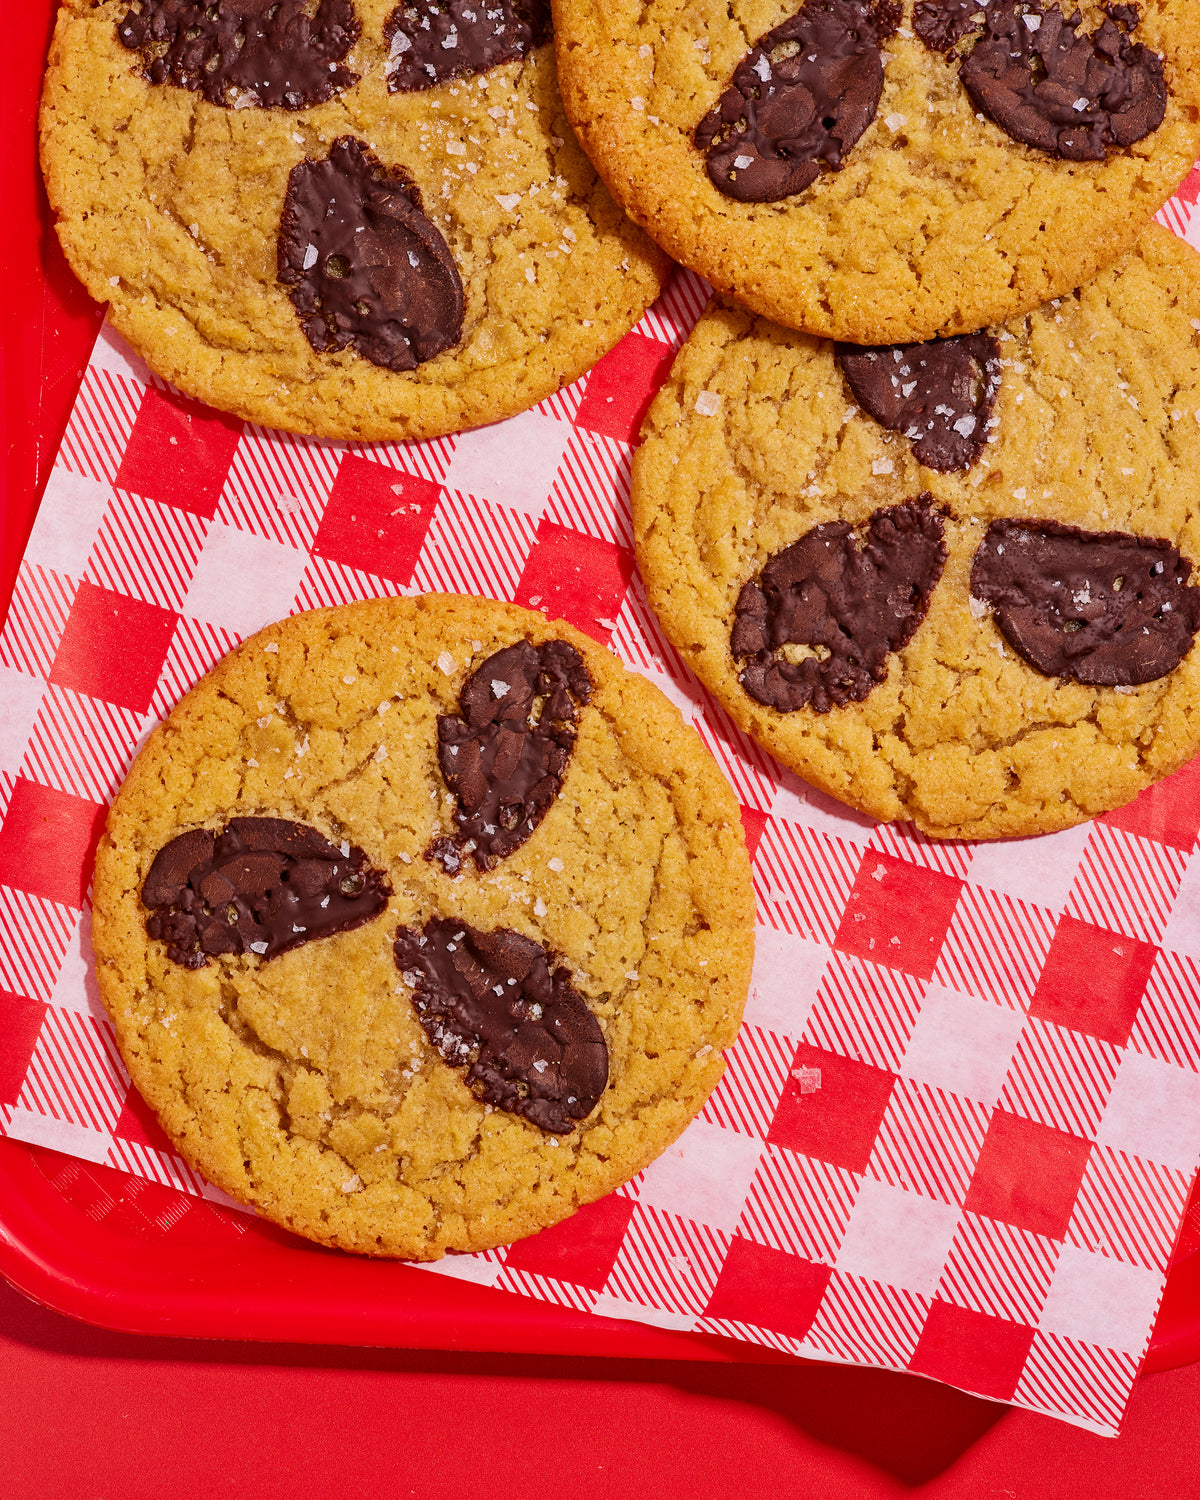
(380, 1047)
(956, 583)
(353, 219)
(879, 172)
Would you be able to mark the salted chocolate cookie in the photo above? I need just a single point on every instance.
(352, 219)
(372, 1049)
(991, 639)
(881, 172)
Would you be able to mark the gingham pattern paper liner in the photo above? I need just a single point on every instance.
(957, 1133)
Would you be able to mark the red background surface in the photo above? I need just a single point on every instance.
(111, 1416)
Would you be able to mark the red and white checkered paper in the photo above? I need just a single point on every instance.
(957, 1133)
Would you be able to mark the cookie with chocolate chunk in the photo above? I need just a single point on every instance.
(382, 1049)
(353, 218)
(883, 170)
(955, 583)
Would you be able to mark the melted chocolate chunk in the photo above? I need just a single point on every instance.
(506, 757)
(1075, 95)
(489, 1003)
(1100, 607)
(366, 267)
(799, 100)
(432, 41)
(942, 23)
(852, 604)
(939, 394)
(261, 885)
(274, 53)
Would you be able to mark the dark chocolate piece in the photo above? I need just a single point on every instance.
(489, 1003)
(854, 605)
(1073, 94)
(798, 100)
(506, 757)
(261, 885)
(275, 53)
(941, 24)
(1099, 607)
(432, 41)
(366, 267)
(939, 394)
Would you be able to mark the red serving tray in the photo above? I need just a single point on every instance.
(132, 1255)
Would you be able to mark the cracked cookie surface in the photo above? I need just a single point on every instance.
(305, 1085)
(757, 438)
(937, 221)
(168, 207)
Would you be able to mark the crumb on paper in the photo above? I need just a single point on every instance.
(809, 1079)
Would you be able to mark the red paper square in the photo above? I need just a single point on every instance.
(137, 1122)
(838, 1121)
(113, 647)
(1168, 811)
(1093, 980)
(581, 1249)
(753, 823)
(572, 576)
(1028, 1175)
(768, 1288)
(20, 1025)
(376, 519)
(898, 914)
(179, 453)
(48, 842)
(622, 385)
(972, 1350)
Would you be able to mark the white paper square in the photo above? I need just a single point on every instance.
(58, 1135)
(609, 1306)
(1153, 1111)
(113, 354)
(476, 1268)
(783, 986)
(68, 522)
(704, 1176)
(1099, 1300)
(243, 581)
(797, 802)
(1040, 871)
(20, 699)
(75, 988)
(512, 463)
(1182, 932)
(962, 1044)
(898, 1238)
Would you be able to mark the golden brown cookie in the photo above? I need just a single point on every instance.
(948, 711)
(926, 215)
(169, 208)
(323, 1018)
